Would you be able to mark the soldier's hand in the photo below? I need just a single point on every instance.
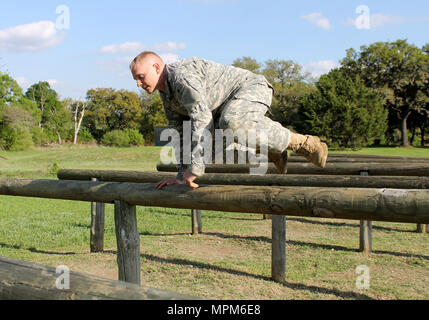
(189, 179)
(164, 183)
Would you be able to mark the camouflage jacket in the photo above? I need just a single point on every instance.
(195, 91)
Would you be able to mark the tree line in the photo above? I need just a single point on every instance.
(378, 94)
(38, 117)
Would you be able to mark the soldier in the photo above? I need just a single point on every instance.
(211, 95)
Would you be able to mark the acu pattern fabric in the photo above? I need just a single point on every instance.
(215, 96)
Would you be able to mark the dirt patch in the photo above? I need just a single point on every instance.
(210, 250)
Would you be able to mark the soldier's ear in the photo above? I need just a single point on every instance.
(157, 67)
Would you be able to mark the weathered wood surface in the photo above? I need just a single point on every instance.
(368, 159)
(422, 228)
(21, 280)
(395, 205)
(97, 226)
(374, 169)
(372, 156)
(128, 242)
(365, 236)
(196, 221)
(401, 182)
(365, 231)
(278, 248)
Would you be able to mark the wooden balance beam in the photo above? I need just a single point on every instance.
(394, 205)
(374, 169)
(29, 281)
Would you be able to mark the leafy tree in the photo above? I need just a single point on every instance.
(153, 115)
(55, 116)
(248, 64)
(290, 84)
(343, 111)
(110, 109)
(10, 91)
(398, 70)
(15, 126)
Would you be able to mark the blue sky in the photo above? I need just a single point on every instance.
(94, 50)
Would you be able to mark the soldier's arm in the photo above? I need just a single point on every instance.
(191, 93)
(175, 121)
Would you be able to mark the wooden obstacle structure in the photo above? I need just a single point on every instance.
(29, 281)
(361, 181)
(395, 205)
(340, 164)
(374, 169)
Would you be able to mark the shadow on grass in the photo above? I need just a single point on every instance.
(316, 245)
(34, 250)
(344, 224)
(290, 285)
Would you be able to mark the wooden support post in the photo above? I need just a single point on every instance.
(128, 241)
(422, 228)
(365, 238)
(278, 254)
(97, 225)
(197, 224)
(365, 243)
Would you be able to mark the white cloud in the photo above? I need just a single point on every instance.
(23, 82)
(318, 68)
(318, 19)
(169, 57)
(126, 47)
(169, 46)
(30, 37)
(55, 83)
(120, 65)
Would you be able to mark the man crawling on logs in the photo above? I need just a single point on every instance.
(215, 96)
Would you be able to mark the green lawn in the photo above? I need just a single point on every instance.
(230, 260)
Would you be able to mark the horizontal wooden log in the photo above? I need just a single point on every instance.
(21, 280)
(333, 159)
(374, 169)
(373, 156)
(395, 205)
(250, 180)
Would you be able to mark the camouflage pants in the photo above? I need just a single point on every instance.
(247, 109)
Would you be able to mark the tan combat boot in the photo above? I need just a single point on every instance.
(309, 147)
(279, 160)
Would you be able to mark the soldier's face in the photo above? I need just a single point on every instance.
(147, 75)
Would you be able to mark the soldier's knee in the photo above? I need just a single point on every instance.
(228, 121)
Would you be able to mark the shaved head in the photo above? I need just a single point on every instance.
(147, 69)
(146, 57)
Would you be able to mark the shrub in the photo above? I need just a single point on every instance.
(136, 138)
(85, 136)
(15, 138)
(53, 168)
(116, 138)
(40, 137)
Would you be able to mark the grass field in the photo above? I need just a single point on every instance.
(230, 260)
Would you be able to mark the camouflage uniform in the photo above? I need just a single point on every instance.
(215, 96)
